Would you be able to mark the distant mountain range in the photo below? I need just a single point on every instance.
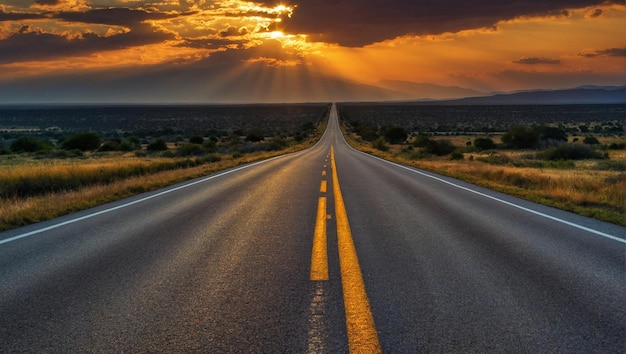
(579, 95)
(260, 84)
(427, 91)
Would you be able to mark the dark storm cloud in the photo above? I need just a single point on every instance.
(212, 43)
(535, 60)
(113, 16)
(27, 44)
(47, 2)
(233, 31)
(16, 16)
(611, 52)
(360, 22)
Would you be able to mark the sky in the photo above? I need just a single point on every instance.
(203, 51)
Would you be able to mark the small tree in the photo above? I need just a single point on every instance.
(484, 144)
(439, 147)
(157, 145)
(421, 140)
(521, 137)
(254, 136)
(395, 135)
(196, 139)
(380, 144)
(591, 140)
(82, 142)
(553, 133)
(27, 143)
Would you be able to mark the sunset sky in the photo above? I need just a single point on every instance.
(207, 51)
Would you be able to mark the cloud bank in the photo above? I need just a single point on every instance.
(356, 23)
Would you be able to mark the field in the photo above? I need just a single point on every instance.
(120, 154)
(55, 160)
(580, 166)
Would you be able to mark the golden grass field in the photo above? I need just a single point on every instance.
(582, 188)
(98, 179)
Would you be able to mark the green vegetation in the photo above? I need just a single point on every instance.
(544, 163)
(48, 174)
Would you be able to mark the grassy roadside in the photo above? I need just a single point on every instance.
(583, 189)
(107, 179)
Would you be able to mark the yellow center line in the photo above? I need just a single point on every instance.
(362, 334)
(324, 173)
(319, 255)
(323, 187)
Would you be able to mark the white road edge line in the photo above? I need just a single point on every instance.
(599, 233)
(88, 216)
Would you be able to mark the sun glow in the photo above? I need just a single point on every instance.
(276, 35)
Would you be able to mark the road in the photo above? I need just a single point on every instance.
(404, 261)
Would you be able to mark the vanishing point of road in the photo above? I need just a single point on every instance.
(327, 250)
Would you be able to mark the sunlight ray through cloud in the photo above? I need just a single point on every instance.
(483, 46)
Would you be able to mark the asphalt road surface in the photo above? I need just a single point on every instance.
(404, 261)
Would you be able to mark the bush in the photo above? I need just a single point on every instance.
(456, 155)
(484, 144)
(571, 152)
(82, 142)
(395, 135)
(190, 150)
(591, 140)
(157, 145)
(127, 145)
(439, 147)
(521, 137)
(254, 136)
(196, 139)
(29, 144)
(111, 145)
(368, 134)
(380, 144)
(421, 140)
(276, 144)
(553, 133)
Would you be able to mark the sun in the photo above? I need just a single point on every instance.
(276, 35)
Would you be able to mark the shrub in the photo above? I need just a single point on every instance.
(421, 140)
(276, 144)
(456, 155)
(196, 139)
(190, 150)
(127, 145)
(82, 142)
(111, 145)
(553, 133)
(591, 140)
(521, 137)
(395, 135)
(254, 136)
(27, 143)
(484, 144)
(439, 147)
(157, 145)
(571, 152)
(368, 134)
(380, 144)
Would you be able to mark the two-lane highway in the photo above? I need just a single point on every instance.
(403, 261)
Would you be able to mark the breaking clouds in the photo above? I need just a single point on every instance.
(356, 23)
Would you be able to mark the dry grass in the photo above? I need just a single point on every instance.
(581, 189)
(124, 176)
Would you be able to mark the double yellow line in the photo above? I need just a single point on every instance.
(362, 334)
